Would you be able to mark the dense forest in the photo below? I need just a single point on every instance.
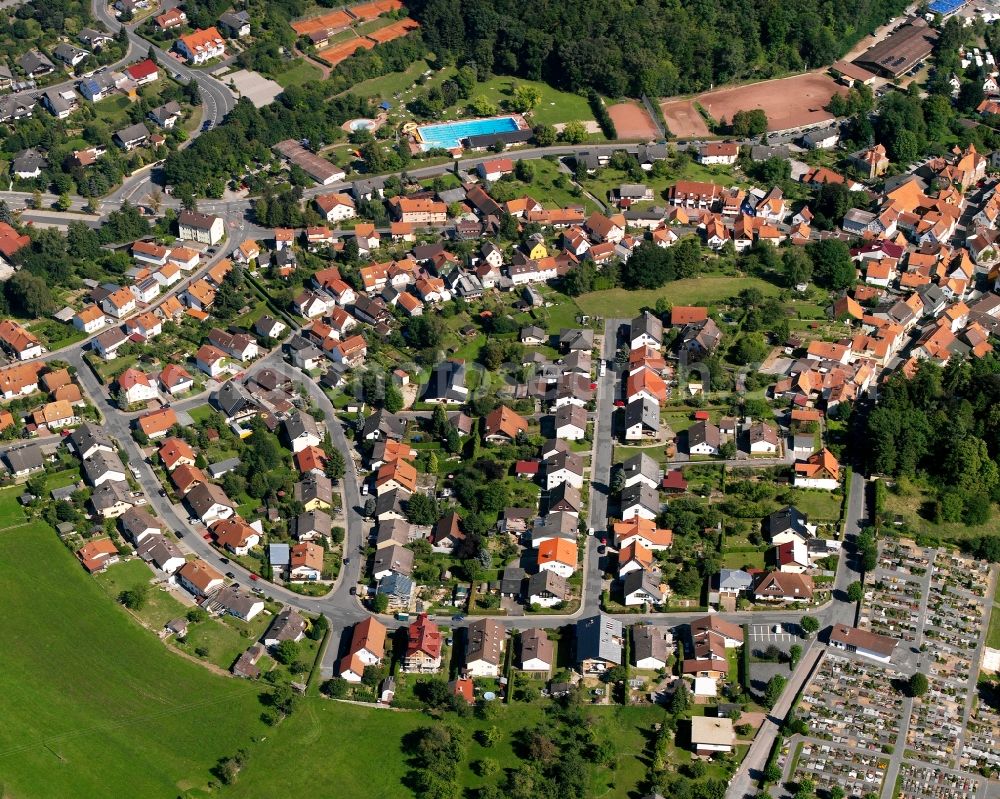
(656, 47)
(944, 423)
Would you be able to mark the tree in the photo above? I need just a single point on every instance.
(524, 98)
(809, 624)
(574, 132)
(727, 449)
(806, 789)
(393, 400)
(28, 294)
(773, 690)
(681, 699)
(832, 264)
(286, 652)
(856, 591)
(794, 655)
(545, 135)
(421, 509)
(335, 464)
(374, 674)
(917, 685)
(749, 124)
(64, 203)
(336, 688)
(134, 598)
(380, 604)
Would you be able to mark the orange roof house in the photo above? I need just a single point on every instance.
(186, 477)
(557, 551)
(98, 554)
(176, 452)
(156, 423)
(820, 465)
(503, 423)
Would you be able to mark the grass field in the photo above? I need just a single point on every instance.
(11, 512)
(301, 71)
(908, 505)
(704, 290)
(387, 86)
(553, 189)
(94, 706)
(993, 636)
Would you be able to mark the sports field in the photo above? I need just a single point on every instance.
(632, 122)
(792, 102)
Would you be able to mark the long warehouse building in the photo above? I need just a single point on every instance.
(904, 48)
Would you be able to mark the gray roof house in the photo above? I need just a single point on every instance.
(88, 438)
(788, 519)
(131, 137)
(639, 500)
(35, 64)
(734, 581)
(103, 466)
(235, 401)
(394, 558)
(571, 339)
(641, 468)
(24, 460)
(287, 626)
(315, 488)
(599, 643)
(313, 524)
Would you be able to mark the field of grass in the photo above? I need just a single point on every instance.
(11, 512)
(93, 704)
(299, 72)
(703, 290)
(544, 187)
(993, 635)
(909, 506)
(387, 86)
(200, 412)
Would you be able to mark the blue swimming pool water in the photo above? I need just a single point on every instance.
(450, 134)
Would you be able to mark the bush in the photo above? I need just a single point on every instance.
(601, 114)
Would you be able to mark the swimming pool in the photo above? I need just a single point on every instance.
(449, 135)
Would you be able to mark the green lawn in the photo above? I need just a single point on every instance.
(737, 560)
(993, 636)
(200, 412)
(552, 188)
(299, 72)
(703, 290)
(11, 512)
(67, 477)
(94, 706)
(387, 86)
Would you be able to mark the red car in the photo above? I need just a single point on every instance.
(254, 577)
(207, 536)
(619, 403)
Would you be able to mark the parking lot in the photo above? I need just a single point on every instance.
(774, 633)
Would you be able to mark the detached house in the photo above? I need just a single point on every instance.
(202, 228)
(820, 470)
(201, 46)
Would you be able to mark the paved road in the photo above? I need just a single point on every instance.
(744, 784)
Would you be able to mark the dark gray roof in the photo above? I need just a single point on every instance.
(640, 494)
(106, 495)
(643, 410)
(397, 585)
(785, 519)
(28, 161)
(385, 423)
(101, 463)
(314, 487)
(649, 641)
(287, 626)
(313, 522)
(641, 464)
(24, 458)
(233, 399)
(87, 436)
(132, 133)
(548, 582)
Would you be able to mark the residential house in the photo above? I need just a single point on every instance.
(204, 229)
(199, 578)
(423, 647)
(599, 643)
(704, 438)
(98, 554)
(548, 588)
(209, 503)
(777, 586)
(484, 648)
(820, 470)
(201, 46)
(301, 431)
(135, 386)
(235, 535)
(306, 562)
(155, 424)
(537, 651)
(651, 646)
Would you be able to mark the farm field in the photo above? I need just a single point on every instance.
(81, 722)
